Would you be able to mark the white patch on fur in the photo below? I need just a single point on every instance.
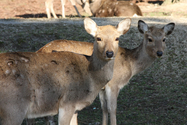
(24, 59)
(7, 72)
(40, 115)
(22, 76)
(48, 45)
(108, 93)
(14, 71)
(60, 114)
(110, 10)
(135, 15)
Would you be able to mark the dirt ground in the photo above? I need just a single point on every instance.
(36, 9)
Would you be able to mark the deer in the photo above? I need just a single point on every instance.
(40, 84)
(98, 8)
(83, 3)
(109, 8)
(128, 62)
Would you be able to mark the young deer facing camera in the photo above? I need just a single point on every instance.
(40, 84)
(127, 62)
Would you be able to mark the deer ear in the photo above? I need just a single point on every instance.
(124, 26)
(168, 29)
(142, 26)
(90, 26)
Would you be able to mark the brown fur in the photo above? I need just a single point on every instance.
(67, 46)
(40, 84)
(99, 8)
(127, 63)
(110, 8)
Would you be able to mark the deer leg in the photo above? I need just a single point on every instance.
(52, 10)
(65, 115)
(111, 95)
(73, 2)
(77, 11)
(12, 115)
(47, 9)
(74, 119)
(63, 9)
(7, 121)
(102, 97)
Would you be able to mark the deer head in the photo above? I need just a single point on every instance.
(106, 37)
(154, 38)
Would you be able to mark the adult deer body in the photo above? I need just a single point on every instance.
(39, 84)
(127, 62)
(108, 8)
(99, 8)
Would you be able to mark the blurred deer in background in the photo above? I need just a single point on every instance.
(98, 8)
(127, 63)
(110, 8)
(83, 3)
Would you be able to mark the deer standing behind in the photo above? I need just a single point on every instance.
(127, 62)
(39, 84)
(109, 8)
(84, 3)
(98, 8)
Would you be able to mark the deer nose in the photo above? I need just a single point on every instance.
(109, 54)
(159, 53)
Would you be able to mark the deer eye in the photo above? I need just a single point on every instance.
(150, 40)
(117, 39)
(98, 39)
(164, 39)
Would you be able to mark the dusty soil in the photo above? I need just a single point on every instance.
(32, 9)
(36, 9)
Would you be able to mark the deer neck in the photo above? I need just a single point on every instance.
(95, 5)
(140, 59)
(101, 70)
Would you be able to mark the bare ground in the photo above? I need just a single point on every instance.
(36, 9)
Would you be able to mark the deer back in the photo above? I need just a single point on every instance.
(68, 45)
(118, 8)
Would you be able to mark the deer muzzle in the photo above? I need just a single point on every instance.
(159, 53)
(109, 54)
